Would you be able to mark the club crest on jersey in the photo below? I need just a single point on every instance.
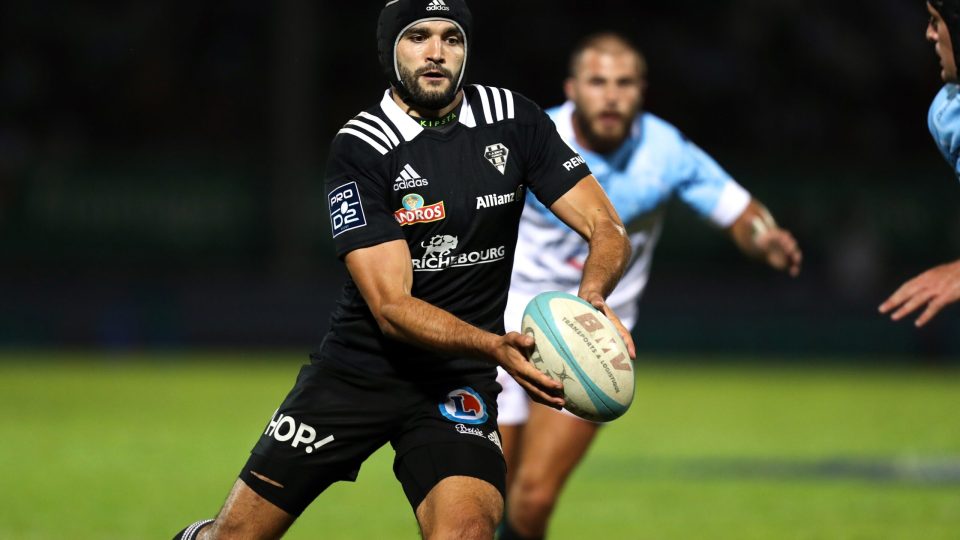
(414, 211)
(346, 210)
(464, 405)
(497, 154)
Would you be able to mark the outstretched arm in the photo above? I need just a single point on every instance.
(384, 275)
(757, 235)
(934, 289)
(586, 209)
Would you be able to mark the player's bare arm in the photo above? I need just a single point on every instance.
(586, 209)
(932, 290)
(384, 275)
(757, 234)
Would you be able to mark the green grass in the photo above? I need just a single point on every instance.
(99, 446)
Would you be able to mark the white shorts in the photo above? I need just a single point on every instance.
(513, 404)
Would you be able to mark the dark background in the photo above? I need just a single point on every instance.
(161, 165)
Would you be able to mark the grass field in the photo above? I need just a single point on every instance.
(110, 446)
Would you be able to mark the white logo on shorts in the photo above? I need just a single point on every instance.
(284, 428)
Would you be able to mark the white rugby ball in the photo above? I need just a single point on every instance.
(577, 345)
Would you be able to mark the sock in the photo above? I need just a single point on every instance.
(508, 533)
(190, 533)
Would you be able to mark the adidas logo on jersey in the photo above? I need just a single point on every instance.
(437, 5)
(409, 179)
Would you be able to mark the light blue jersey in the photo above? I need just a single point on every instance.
(944, 123)
(653, 165)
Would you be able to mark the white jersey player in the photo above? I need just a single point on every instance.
(642, 162)
(939, 286)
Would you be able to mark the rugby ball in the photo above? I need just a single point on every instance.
(577, 345)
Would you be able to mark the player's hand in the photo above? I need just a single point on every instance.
(513, 353)
(934, 289)
(596, 300)
(780, 250)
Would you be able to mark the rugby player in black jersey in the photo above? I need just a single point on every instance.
(425, 191)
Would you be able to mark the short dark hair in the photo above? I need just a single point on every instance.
(606, 41)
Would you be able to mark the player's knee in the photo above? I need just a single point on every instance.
(535, 490)
(475, 523)
(459, 517)
(532, 498)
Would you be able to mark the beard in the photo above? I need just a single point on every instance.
(426, 98)
(602, 143)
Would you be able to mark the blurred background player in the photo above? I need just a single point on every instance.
(641, 162)
(939, 286)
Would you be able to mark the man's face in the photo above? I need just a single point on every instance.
(938, 34)
(430, 57)
(607, 89)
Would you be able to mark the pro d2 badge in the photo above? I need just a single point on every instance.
(497, 154)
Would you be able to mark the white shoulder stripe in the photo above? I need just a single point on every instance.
(383, 125)
(372, 130)
(364, 138)
(466, 115)
(509, 96)
(497, 103)
(485, 103)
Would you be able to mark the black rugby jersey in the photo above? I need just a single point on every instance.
(455, 195)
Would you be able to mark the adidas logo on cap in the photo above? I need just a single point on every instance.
(437, 5)
(409, 179)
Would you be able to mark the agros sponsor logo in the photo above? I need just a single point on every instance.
(440, 253)
(285, 428)
(414, 211)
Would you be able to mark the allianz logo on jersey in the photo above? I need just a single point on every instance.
(440, 253)
(409, 179)
(487, 201)
(437, 5)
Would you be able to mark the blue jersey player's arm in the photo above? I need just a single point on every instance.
(709, 190)
(938, 287)
(943, 119)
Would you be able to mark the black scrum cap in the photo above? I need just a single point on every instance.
(399, 15)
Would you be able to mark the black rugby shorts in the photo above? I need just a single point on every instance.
(332, 421)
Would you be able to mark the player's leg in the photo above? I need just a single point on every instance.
(460, 508)
(449, 458)
(553, 444)
(244, 515)
(321, 433)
